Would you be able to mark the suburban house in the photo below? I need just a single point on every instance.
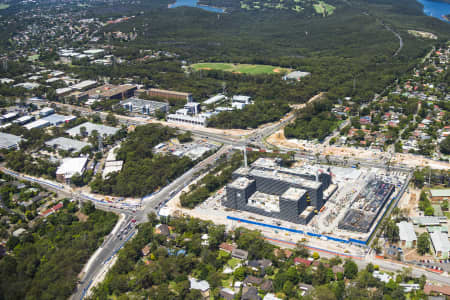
(239, 253)
(201, 285)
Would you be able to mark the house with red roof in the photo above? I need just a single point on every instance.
(299, 260)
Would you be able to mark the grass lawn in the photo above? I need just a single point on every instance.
(241, 68)
(323, 7)
(227, 282)
(3, 6)
(447, 214)
(233, 262)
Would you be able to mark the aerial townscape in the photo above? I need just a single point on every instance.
(225, 149)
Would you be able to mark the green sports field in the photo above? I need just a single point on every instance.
(241, 68)
(3, 6)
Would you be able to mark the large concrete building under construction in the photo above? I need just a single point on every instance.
(266, 188)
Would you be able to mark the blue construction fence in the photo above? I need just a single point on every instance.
(331, 238)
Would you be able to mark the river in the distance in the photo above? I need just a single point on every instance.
(435, 9)
(193, 3)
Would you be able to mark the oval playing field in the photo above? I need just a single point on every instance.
(241, 68)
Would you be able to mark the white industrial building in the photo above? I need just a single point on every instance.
(197, 120)
(240, 101)
(440, 243)
(24, 120)
(67, 144)
(112, 166)
(37, 124)
(69, 167)
(28, 85)
(101, 129)
(9, 116)
(84, 85)
(408, 237)
(46, 111)
(9, 141)
(57, 119)
(63, 91)
(215, 99)
(296, 75)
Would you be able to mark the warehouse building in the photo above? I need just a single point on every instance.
(9, 117)
(101, 129)
(37, 124)
(57, 119)
(24, 120)
(408, 237)
(268, 189)
(67, 144)
(146, 107)
(46, 111)
(112, 166)
(215, 99)
(9, 141)
(62, 92)
(166, 94)
(441, 245)
(86, 84)
(69, 167)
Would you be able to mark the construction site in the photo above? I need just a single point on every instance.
(341, 204)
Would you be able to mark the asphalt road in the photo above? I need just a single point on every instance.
(112, 244)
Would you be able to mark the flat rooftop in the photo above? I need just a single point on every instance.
(56, 119)
(109, 90)
(305, 213)
(141, 102)
(72, 165)
(264, 201)
(286, 177)
(67, 144)
(240, 183)
(170, 92)
(101, 129)
(293, 193)
(270, 163)
(8, 140)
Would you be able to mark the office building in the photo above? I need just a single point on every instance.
(146, 107)
(268, 189)
(109, 91)
(166, 94)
